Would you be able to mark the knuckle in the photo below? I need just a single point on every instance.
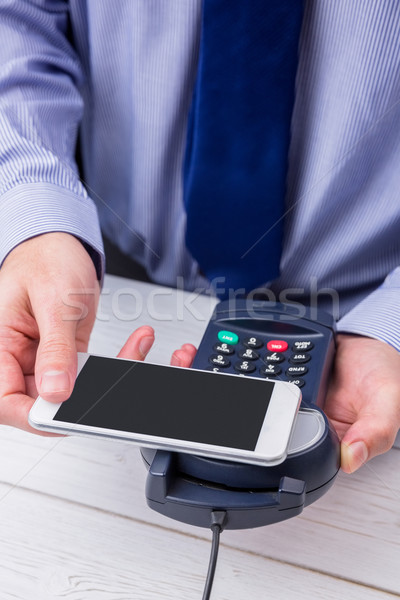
(55, 347)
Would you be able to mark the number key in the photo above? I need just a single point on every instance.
(274, 357)
(270, 370)
(219, 360)
(244, 366)
(249, 354)
(253, 342)
(224, 349)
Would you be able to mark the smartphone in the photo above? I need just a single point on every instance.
(173, 408)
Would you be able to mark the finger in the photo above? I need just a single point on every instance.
(184, 356)
(364, 440)
(15, 403)
(56, 359)
(14, 412)
(30, 386)
(138, 344)
(373, 433)
(189, 348)
(353, 456)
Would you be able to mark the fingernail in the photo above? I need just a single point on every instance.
(54, 382)
(145, 345)
(175, 361)
(359, 455)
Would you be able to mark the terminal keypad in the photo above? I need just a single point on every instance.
(269, 358)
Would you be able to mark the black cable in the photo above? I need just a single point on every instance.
(213, 561)
(218, 520)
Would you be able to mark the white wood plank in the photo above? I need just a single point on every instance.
(357, 520)
(54, 549)
(177, 318)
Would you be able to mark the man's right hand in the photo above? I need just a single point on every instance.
(48, 299)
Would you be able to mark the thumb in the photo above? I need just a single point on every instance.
(372, 434)
(353, 455)
(56, 358)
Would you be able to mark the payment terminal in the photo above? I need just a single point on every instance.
(262, 339)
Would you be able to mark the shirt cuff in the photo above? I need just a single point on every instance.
(378, 315)
(31, 209)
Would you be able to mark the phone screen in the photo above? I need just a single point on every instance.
(182, 404)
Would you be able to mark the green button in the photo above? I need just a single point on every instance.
(228, 337)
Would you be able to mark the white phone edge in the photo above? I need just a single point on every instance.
(271, 449)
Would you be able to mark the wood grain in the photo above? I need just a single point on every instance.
(55, 549)
(352, 532)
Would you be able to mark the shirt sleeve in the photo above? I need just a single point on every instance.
(378, 315)
(40, 112)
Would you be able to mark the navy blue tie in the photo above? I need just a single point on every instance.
(238, 138)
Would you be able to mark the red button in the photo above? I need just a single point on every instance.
(277, 346)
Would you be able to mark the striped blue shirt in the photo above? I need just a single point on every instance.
(123, 71)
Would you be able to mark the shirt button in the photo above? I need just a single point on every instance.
(277, 346)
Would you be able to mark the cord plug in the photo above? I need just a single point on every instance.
(219, 519)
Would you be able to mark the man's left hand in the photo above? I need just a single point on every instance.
(363, 402)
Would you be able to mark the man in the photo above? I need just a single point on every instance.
(124, 72)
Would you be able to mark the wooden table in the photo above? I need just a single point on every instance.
(74, 523)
